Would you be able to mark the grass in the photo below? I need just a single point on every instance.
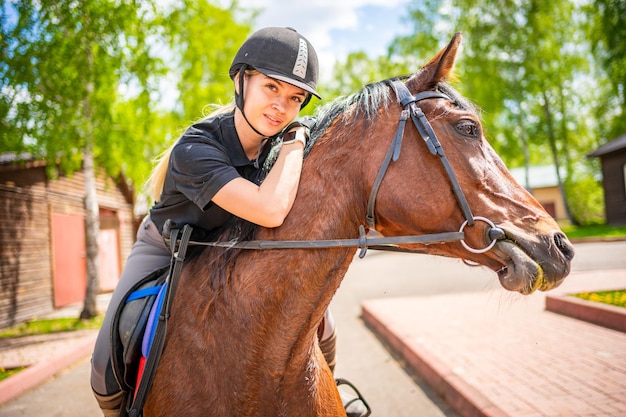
(599, 230)
(5, 373)
(46, 326)
(615, 298)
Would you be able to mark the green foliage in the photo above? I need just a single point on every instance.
(432, 25)
(615, 298)
(594, 231)
(588, 210)
(358, 70)
(549, 76)
(46, 326)
(71, 77)
(606, 29)
(63, 66)
(529, 66)
(5, 373)
(203, 39)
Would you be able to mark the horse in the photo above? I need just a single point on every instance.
(242, 338)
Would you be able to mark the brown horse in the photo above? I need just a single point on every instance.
(242, 339)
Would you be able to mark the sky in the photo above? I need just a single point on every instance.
(337, 27)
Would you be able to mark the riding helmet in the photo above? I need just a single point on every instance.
(280, 53)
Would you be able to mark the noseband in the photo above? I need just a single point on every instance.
(373, 239)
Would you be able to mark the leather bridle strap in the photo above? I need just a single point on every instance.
(363, 242)
(392, 155)
(423, 126)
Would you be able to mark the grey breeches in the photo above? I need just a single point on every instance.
(148, 254)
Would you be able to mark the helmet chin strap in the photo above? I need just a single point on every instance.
(239, 99)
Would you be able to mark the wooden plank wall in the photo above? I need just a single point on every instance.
(27, 200)
(614, 187)
(25, 284)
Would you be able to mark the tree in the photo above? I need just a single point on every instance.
(83, 85)
(62, 65)
(524, 63)
(203, 39)
(607, 31)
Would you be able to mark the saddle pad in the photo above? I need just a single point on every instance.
(129, 324)
(148, 335)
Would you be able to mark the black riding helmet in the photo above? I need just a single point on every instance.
(280, 53)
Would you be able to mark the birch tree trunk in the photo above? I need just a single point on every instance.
(92, 229)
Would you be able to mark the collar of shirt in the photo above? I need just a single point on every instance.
(233, 144)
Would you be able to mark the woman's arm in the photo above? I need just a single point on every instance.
(269, 203)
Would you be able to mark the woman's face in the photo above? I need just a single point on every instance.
(271, 104)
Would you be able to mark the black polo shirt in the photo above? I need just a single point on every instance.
(205, 158)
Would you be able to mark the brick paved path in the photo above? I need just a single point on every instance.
(500, 354)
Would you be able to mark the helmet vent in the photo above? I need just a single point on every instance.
(299, 68)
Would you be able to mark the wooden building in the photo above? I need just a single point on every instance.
(42, 238)
(613, 160)
(544, 185)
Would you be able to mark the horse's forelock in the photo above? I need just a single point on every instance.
(460, 101)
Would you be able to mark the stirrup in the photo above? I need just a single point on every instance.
(358, 410)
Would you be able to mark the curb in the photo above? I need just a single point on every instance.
(444, 381)
(597, 239)
(39, 372)
(609, 316)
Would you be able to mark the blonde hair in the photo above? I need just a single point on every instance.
(157, 178)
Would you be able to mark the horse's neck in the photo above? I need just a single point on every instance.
(326, 208)
(258, 313)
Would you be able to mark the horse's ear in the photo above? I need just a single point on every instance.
(440, 67)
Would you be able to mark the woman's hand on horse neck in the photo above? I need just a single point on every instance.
(268, 204)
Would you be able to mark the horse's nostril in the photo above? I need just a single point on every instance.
(564, 245)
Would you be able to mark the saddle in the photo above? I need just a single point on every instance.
(130, 323)
(139, 325)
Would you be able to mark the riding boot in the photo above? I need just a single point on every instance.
(328, 348)
(111, 405)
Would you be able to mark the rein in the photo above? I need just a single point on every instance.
(363, 242)
(373, 239)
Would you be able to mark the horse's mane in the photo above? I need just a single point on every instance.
(363, 105)
(366, 103)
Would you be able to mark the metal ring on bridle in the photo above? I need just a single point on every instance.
(485, 249)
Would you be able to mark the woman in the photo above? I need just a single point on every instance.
(213, 172)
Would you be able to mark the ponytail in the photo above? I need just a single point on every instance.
(157, 178)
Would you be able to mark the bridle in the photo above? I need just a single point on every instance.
(412, 110)
(373, 239)
(409, 102)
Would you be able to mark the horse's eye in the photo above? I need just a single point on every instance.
(468, 128)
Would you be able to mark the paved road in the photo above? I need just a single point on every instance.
(361, 358)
